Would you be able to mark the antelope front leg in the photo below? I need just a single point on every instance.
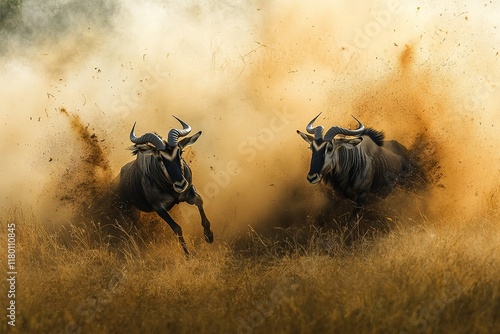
(174, 226)
(195, 198)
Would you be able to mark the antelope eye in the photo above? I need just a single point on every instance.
(329, 149)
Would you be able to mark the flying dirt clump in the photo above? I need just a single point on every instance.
(86, 185)
(95, 157)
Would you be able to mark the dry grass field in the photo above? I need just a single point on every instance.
(422, 277)
(75, 77)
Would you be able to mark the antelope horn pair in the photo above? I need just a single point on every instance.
(334, 130)
(153, 138)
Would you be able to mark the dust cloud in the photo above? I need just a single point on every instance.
(248, 74)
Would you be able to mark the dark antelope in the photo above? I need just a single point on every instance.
(357, 164)
(160, 178)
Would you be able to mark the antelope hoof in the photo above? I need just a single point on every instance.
(209, 236)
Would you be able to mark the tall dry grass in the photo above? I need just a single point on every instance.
(418, 277)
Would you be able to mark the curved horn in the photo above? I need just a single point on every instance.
(316, 131)
(337, 130)
(174, 134)
(147, 138)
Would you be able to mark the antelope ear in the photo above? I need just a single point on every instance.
(309, 139)
(189, 140)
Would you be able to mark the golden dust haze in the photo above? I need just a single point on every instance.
(76, 76)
